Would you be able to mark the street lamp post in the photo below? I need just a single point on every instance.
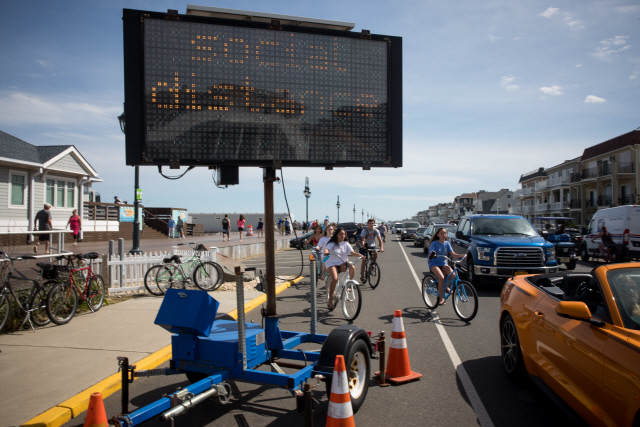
(338, 205)
(362, 215)
(307, 194)
(135, 250)
(354, 213)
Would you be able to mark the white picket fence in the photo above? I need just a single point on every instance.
(127, 274)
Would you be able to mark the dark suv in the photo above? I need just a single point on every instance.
(352, 230)
(409, 230)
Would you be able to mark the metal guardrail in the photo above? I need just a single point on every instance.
(59, 248)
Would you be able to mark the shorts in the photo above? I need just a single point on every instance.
(225, 231)
(259, 227)
(75, 232)
(365, 252)
(610, 245)
(240, 229)
(179, 229)
(43, 237)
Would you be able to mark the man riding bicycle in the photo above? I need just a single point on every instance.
(383, 230)
(368, 241)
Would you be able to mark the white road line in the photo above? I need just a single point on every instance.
(472, 394)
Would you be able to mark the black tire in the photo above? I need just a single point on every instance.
(352, 239)
(38, 304)
(373, 274)
(5, 309)
(306, 246)
(351, 300)
(150, 281)
(96, 292)
(510, 348)
(471, 275)
(207, 276)
(357, 358)
(62, 303)
(571, 265)
(425, 249)
(430, 294)
(584, 253)
(465, 301)
(613, 255)
(165, 279)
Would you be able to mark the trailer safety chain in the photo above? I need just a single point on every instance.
(124, 418)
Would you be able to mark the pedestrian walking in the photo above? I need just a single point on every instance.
(180, 228)
(280, 226)
(75, 223)
(43, 223)
(240, 223)
(171, 225)
(225, 228)
(287, 226)
(260, 228)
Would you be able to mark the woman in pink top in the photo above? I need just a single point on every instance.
(75, 223)
(241, 225)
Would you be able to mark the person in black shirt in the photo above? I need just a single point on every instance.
(225, 228)
(43, 222)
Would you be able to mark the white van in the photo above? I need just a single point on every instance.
(623, 222)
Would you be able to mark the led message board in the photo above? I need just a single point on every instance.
(204, 91)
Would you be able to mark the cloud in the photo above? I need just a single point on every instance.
(610, 47)
(578, 65)
(627, 9)
(592, 99)
(550, 12)
(43, 63)
(506, 82)
(18, 108)
(634, 75)
(552, 90)
(574, 24)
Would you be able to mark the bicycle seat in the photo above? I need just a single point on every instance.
(174, 258)
(91, 255)
(46, 266)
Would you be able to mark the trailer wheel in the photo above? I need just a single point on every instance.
(571, 265)
(358, 365)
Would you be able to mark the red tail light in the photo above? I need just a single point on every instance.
(625, 237)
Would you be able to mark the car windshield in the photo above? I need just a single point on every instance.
(411, 225)
(625, 287)
(503, 227)
(422, 229)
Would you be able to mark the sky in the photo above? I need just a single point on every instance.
(491, 90)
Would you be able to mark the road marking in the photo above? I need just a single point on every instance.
(472, 394)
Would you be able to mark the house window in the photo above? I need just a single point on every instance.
(60, 193)
(18, 186)
(508, 196)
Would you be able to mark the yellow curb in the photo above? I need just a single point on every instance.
(71, 408)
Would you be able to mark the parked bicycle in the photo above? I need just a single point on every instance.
(371, 269)
(348, 291)
(75, 279)
(206, 275)
(465, 297)
(30, 304)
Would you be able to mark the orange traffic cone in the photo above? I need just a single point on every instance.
(96, 416)
(398, 367)
(250, 231)
(340, 412)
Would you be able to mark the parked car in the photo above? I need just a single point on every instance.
(418, 240)
(409, 230)
(578, 336)
(295, 242)
(451, 231)
(352, 230)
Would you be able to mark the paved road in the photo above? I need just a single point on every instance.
(463, 383)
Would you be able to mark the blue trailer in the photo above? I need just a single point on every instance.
(214, 350)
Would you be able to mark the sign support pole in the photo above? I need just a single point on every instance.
(269, 176)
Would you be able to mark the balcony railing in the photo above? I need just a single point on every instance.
(605, 170)
(604, 201)
(542, 185)
(555, 182)
(542, 207)
(558, 206)
(576, 177)
(625, 167)
(527, 208)
(575, 204)
(591, 203)
(589, 173)
(627, 199)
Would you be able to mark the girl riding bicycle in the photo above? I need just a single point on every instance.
(338, 245)
(438, 265)
(316, 236)
(322, 245)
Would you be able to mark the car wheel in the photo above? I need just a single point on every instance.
(352, 240)
(471, 275)
(584, 253)
(510, 347)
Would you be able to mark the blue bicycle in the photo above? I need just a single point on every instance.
(465, 300)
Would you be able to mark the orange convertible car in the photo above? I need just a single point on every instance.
(578, 334)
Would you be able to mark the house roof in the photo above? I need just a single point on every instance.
(616, 143)
(533, 174)
(12, 148)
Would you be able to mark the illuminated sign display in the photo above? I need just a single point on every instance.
(206, 91)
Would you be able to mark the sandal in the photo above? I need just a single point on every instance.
(442, 302)
(331, 308)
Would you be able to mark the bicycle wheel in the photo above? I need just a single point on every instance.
(62, 303)
(207, 276)
(465, 301)
(351, 300)
(164, 279)
(373, 274)
(96, 292)
(5, 309)
(430, 294)
(151, 282)
(38, 305)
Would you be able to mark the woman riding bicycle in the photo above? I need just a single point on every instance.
(316, 236)
(438, 265)
(322, 245)
(338, 246)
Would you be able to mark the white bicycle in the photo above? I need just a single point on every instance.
(348, 291)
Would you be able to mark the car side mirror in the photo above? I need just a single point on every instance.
(459, 235)
(577, 310)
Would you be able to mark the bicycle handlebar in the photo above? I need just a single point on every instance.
(433, 255)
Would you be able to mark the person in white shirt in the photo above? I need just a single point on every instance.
(322, 245)
(338, 245)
